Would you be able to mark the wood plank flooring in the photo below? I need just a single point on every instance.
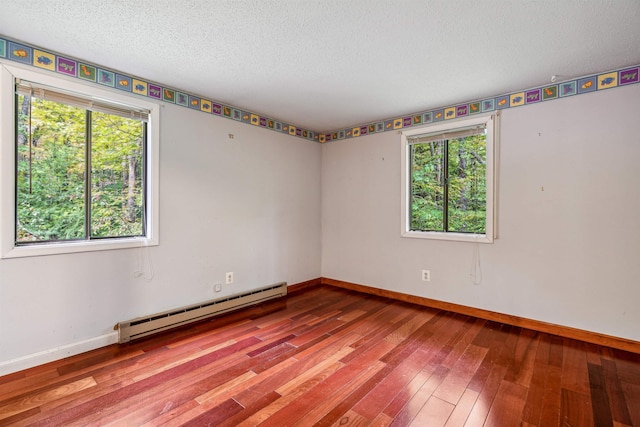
(332, 357)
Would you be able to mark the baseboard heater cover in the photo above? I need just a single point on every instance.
(148, 325)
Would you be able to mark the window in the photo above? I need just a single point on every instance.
(83, 167)
(448, 185)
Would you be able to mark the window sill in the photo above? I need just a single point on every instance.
(455, 237)
(77, 247)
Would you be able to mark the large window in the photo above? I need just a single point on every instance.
(448, 190)
(81, 169)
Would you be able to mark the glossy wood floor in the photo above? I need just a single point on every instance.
(327, 356)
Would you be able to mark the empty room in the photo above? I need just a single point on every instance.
(320, 212)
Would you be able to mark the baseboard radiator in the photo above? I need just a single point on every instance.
(147, 325)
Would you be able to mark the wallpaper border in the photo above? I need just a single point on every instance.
(99, 75)
(578, 86)
(64, 65)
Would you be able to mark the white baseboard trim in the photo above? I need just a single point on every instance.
(57, 353)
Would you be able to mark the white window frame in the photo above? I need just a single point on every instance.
(8, 249)
(491, 123)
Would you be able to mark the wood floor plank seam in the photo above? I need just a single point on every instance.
(326, 356)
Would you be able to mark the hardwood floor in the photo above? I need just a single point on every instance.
(328, 356)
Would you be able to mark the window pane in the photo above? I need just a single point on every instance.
(427, 197)
(467, 184)
(117, 170)
(50, 171)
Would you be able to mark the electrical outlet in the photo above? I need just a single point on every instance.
(217, 287)
(228, 278)
(426, 275)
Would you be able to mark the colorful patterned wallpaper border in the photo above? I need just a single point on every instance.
(30, 55)
(43, 59)
(582, 85)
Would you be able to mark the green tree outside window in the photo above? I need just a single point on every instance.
(80, 173)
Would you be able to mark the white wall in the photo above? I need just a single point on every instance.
(250, 205)
(567, 255)
(261, 204)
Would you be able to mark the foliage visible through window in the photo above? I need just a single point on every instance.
(80, 173)
(448, 184)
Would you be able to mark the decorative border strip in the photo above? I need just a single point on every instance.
(596, 82)
(33, 56)
(36, 57)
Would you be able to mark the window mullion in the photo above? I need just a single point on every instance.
(445, 189)
(30, 147)
(87, 179)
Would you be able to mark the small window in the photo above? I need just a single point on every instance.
(82, 168)
(448, 188)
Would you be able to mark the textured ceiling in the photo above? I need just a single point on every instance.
(328, 64)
